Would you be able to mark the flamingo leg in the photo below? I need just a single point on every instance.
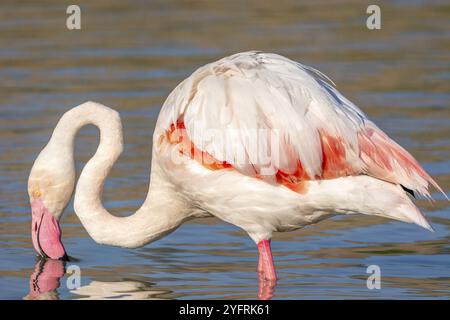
(265, 264)
(260, 265)
(266, 271)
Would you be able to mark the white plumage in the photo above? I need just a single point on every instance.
(285, 149)
(256, 91)
(249, 95)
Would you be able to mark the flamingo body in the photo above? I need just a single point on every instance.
(254, 139)
(329, 157)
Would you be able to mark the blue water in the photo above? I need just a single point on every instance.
(131, 57)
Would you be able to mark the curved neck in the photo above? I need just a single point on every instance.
(161, 212)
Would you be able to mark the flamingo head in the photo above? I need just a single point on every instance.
(49, 192)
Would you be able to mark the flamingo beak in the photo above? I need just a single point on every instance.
(45, 232)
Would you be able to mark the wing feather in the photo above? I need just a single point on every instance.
(270, 117)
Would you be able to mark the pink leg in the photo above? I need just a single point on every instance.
(265, 264)
(260, 265)
(266, 288)
(266, 270)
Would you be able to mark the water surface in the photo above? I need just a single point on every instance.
(129, 56)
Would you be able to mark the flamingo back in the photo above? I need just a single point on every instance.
(275, 119)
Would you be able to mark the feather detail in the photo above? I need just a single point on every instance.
(272, 118)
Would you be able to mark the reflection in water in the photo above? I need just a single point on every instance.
(45, 279)
(119, 290)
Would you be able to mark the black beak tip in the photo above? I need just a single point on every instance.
(65, 257)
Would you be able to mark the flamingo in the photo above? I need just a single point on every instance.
(255, 139)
